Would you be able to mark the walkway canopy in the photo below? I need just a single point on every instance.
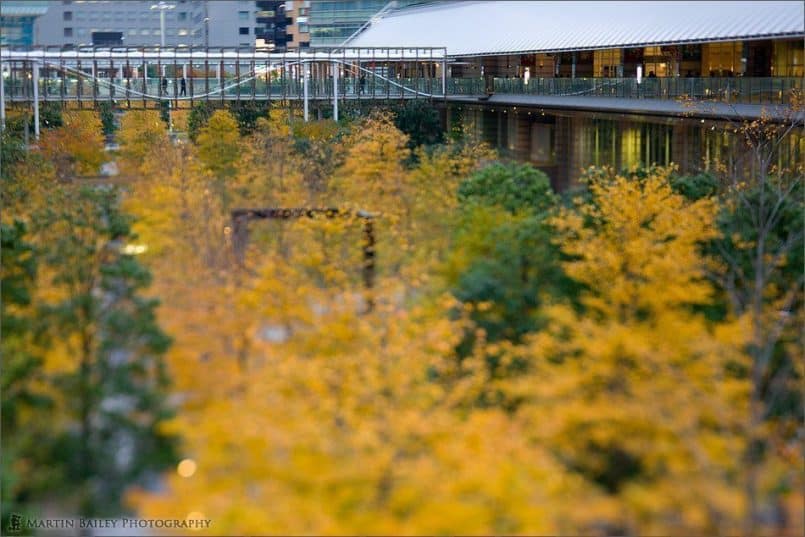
(496, 28)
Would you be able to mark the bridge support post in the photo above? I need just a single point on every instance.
(444, 75)
(335, 69)
(305, 76)
(2, 97)
(35, 69)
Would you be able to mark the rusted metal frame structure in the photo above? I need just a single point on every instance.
(240, 235)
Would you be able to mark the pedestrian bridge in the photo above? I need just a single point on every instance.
(185, 75)
(148, 77)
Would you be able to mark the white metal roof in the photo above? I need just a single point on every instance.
(474, 28)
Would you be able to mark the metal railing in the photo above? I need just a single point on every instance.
(743, 90)
(262, 86)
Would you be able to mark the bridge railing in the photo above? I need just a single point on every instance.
(228, 87)
(744, 90)
(262, 85)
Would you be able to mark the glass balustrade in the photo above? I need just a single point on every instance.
(739, 90)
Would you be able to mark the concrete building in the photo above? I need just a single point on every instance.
(138, 23)
(17, 20)
(231, 23)
(299, 23)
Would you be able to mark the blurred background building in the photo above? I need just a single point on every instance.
(138, 23)
(271, 24)
(274, 24)
(333, 23)
(17, 19)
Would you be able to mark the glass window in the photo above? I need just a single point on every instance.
(68, 32)
(244, 30)
(183, 15)
(788, 59)
(243, 15)
(608, 63)
(721, 59)
(656, 63)
(67, 15)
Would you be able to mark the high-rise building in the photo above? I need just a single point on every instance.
(333, 23)
(17, 21)
(140, 23)
(299, 24)
(271, 24)
(231, 23)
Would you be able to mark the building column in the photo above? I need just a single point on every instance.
(35, 69)
(2, 97)
(305, 77)
(335, 70)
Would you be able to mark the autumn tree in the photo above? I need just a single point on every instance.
(758, 267)
(637, 392)
(76, 148)
(218, 144)
(144, 143)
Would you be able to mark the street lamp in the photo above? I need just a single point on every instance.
(162, 6)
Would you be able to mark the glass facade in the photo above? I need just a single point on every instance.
(17, 21)
(722, 59)
(331, 23)
(788, 58)
(608, 63)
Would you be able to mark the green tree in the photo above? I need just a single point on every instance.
(503, 262)
(513, 187)
(247, 113)
(199, 116)
(107, 373)
(50, 115)
(420, 121)
(21, 372)
(107, 118)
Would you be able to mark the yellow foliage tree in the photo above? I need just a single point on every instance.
(144, 143)
(637, 392)
(77, 146)
(219, 144)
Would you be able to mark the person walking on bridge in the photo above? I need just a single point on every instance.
(182, 87)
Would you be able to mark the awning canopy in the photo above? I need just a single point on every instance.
(494, 28)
